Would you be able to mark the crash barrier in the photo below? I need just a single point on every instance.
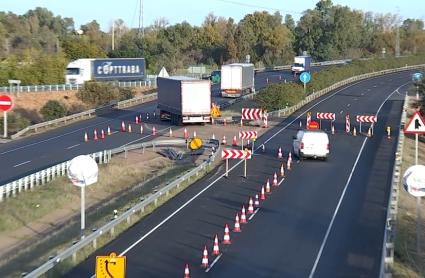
(125, 218)
(387, 259)
(44, 176)
(67, 87)
(83, 115)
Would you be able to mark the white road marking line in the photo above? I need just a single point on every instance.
(348, 105)
(116, 131)
(20, 164)
(253, 214)
(281, 181)
(328, 231)
(342, 111)
(213, 263)
(73, 146)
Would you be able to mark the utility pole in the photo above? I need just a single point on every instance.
(141, 30)
(113, 35)
(397, 42)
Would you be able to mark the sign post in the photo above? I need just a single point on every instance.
(6, 104)
(235, 154)
(417, 77)
(305, 77)
(414, 177)
(83, 171)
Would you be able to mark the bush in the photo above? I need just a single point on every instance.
(53, 109)
(15, 122)
(100, 93)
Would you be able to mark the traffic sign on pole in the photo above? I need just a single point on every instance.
(305, 77)
(110, 266)
(416, 124)
(6, 103)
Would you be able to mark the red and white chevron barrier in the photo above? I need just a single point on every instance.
(247, 134)
(366, 119)
(308, 120)
(325, 116)
(252, 114)
(235, 154)
(347, 123)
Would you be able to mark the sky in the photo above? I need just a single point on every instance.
(194, 11)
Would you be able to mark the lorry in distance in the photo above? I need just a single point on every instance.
(301, 64)
(105, 69)
(184, 99)
(237, 79)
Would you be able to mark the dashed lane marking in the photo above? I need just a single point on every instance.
(23, 163)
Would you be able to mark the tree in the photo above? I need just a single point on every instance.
(53, 109)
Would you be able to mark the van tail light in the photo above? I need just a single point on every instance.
(328, 147)
(302, 146)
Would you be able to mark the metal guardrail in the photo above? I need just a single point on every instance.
(44, 176)
(126, 216)
(83, 115)
(67, 87)
(389, 231)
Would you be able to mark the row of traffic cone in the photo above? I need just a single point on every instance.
(288, 161)
(96, 136)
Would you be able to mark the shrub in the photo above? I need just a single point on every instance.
(53, 109)
(100, 93)
(15, 122)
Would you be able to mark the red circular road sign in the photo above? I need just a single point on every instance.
(313, 125)
(6, 103)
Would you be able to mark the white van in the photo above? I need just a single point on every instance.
(311, 143)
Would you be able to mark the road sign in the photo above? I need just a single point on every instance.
(325, 116)
(235, 154)
(305, 77)
(110, 266)
(414, 180)
(417, 76)
(313, 125)
(416, 124)
(247, 134)
(252, 114)
(6, 103)
(366, 119)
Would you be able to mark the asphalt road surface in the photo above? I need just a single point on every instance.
(325, 219)
(38, 152)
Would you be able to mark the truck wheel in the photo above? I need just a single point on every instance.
(300, 156)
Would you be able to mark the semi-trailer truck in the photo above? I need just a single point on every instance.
(105, 69)
(184, 99)
(301, 64)
(237, 79)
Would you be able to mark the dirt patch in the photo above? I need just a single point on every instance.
(407, 262)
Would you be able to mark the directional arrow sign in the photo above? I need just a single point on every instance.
(5, 103)
(416, 124)
(235, 154)
(305, 77)
(417, 76)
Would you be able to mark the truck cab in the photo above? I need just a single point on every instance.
(78, 71)
(301, 64)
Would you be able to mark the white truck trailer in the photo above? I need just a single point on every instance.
(184, 100)
(237, 79)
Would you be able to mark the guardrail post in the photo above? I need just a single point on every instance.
(125, 152)
(19, 183)
(128, 219)
(48, 173)
(74, 257)
(1, 193)
(14, 188)
(31, 181)
(8, 189)
(43, 174)
(112, 231)
(95, 243)
(100, 157)
(26, 183)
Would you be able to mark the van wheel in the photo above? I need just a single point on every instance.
(300, 156)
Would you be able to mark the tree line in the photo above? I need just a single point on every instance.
(36, 46)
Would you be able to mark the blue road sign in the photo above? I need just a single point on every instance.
(417, 76)
(305, 77)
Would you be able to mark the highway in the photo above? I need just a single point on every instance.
(28, 155)
(325, 219)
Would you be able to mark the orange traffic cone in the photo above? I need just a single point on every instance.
(122, 126)
(194, 134)
(109, 130)
(354, 131)
(95, 135)
(369, 132)
(224, 122)
(262, 195)
(275, 179)
(216, 249)
(186, 271)
(301, 124)
(141, 129)
(171, 132)
(257, 201)
(140, 118)
(86, 137)
(213, 136)
(226, 237)
(282, 170)
(268, 189)
(129, 128)
(250, 206)
(153, 131)
(234, 141)
(241, 123)
(205, 257)
(279, 153)
(137, 120)
(243, 215)
(237, 227)
(102, 134)
(185, 134)
(224, 140)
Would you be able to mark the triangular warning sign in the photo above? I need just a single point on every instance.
(163, 73)
(416, 124)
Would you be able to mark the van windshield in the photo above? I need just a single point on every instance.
(298, 65)
(72, 71)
